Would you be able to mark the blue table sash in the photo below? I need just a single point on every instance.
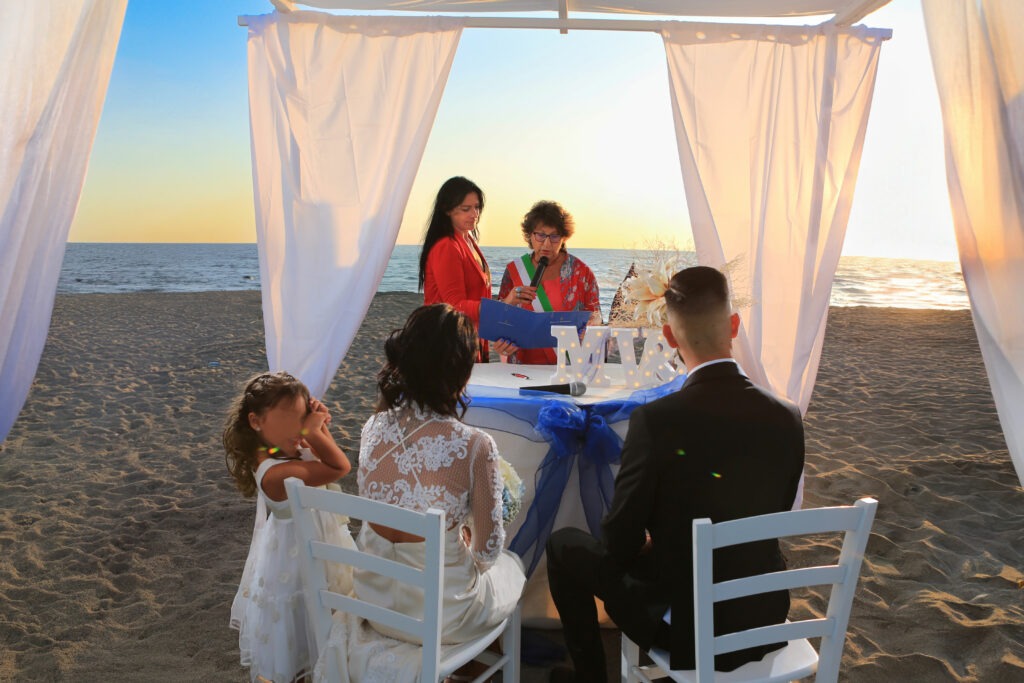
(573, 432)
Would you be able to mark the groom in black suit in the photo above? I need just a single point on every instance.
(720, 447)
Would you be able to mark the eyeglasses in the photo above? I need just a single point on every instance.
(554, 238)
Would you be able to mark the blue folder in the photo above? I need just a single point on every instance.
(525, 328)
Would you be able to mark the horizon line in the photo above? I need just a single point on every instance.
(512, 246)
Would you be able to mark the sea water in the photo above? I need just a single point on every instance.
(109, 268)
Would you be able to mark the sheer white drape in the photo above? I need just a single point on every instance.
(977, 49)
(57, 56)
(341, 108)
(770, 125)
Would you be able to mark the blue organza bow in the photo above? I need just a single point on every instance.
(573, 432)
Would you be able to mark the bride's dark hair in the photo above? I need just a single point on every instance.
(429, 361)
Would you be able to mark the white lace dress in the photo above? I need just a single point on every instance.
(418, 459)
(268, 609)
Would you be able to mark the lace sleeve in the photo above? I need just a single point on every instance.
(485, 502)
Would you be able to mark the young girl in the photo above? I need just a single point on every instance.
(276, 430)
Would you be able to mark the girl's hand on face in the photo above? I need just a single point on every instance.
(317, 406)
(316, 418)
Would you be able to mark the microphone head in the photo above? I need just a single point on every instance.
(542, 265)
(577, 388)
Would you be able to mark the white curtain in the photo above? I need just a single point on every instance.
(977, 49)
(341, 108)
(57, 56)
(770, 125)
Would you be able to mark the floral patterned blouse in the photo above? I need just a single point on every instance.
(579, 292)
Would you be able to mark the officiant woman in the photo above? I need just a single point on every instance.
(453, 269)
(566, 284)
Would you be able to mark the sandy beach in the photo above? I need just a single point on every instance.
(122, 537)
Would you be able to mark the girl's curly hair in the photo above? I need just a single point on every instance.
(429, 361)
(241, 442)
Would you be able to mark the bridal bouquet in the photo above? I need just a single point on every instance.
(511, 493)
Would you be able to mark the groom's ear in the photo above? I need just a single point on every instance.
(666, 330)
(734, 322)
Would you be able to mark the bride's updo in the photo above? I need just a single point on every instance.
(429, 361)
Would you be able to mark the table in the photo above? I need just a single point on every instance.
(554, 442)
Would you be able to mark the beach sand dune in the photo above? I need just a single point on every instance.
(122, 537)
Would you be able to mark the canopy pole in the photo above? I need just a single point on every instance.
(562, 25)
(565, 25)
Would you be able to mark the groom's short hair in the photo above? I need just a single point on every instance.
(699, 290)
(699, 309)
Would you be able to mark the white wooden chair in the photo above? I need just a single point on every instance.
(798, 659)
(320, 601)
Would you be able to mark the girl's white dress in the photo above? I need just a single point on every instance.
(268, 609)
(418, 459)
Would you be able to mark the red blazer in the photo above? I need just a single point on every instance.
(453, 276)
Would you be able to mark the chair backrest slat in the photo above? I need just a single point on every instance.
(776, 633)
(372, 563)
(418, 523)
(784, 580)
(854, 521)
(367, 610)
(783, 524)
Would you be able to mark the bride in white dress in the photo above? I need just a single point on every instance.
(415, 453)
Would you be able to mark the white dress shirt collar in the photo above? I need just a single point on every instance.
(690, 371)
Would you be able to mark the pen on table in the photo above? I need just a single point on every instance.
(520, 375)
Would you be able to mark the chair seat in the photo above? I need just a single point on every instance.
(473, 650)
(797, 660)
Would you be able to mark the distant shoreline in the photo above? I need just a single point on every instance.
(154, 267)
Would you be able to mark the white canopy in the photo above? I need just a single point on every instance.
(844, 12)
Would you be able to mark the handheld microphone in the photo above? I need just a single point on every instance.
(542, 265)
(571, 388)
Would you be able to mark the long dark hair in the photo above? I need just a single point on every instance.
(429, 361)
(448, 197)
(241, 442)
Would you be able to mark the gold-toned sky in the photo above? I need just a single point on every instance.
(582, 118)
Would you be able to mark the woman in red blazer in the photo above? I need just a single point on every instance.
(453, 269)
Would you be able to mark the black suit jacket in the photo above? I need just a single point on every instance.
(722, 448)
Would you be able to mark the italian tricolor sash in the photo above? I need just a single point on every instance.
(525, 271)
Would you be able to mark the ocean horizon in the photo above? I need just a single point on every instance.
(92, 267)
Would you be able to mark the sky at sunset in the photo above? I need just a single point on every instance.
(584, 119)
